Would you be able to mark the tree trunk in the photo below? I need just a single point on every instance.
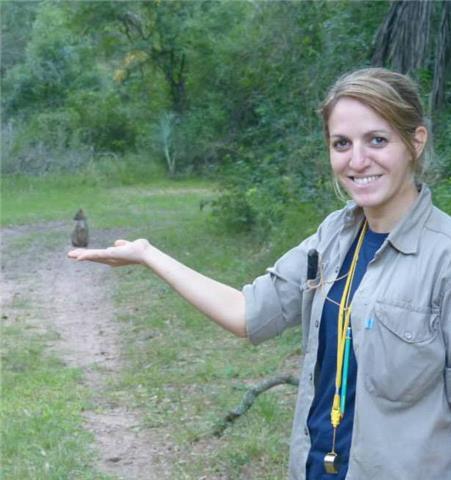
(402, 39)
(442, 58)
(175, 76)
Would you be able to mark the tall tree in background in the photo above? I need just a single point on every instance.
(442, 57)
(403, 37)
(405, 41)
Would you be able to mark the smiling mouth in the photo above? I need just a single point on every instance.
(365, 180)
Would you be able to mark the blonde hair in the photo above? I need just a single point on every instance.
(393, 96)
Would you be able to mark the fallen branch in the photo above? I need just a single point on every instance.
(250, 397)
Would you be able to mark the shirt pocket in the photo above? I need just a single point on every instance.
(405, 353)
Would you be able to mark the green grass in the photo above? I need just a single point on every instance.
(55, 198)
(42, 401)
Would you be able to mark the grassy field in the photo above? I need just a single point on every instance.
(182, 372)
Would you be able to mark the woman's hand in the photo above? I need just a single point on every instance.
(123, 253)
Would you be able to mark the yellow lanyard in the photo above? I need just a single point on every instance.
(344, 316)
(331, 459)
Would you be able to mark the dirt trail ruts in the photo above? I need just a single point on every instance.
(75, 300)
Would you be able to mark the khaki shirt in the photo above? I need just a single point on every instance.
(401, 321)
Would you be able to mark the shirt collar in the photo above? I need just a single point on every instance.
(405, 237)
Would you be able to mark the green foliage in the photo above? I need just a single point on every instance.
(442, 135)
(104, 121)
(54, 60)
(223, 89)
(44, 143)
(16, 19)
(285, 77)
(442, 195)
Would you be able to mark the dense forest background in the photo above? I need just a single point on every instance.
(122, 91)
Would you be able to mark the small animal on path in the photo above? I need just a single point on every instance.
(80, 234)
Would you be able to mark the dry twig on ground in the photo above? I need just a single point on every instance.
(250, 397)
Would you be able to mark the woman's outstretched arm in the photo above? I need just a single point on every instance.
(221, 303)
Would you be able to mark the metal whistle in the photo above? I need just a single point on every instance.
(331, 463)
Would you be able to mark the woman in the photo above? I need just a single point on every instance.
(375, 390)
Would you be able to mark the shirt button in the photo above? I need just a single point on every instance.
(310, 377)
(317, 323)
(306, 431)
(408, 335)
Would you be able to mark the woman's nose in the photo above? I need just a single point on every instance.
(359, 159)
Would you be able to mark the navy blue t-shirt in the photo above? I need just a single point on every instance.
(318, 423)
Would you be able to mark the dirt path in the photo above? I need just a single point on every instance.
(75, 300)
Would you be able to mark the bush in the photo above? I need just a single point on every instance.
(104, 122)
(42, 145)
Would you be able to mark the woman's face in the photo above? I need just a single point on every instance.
(370, 159)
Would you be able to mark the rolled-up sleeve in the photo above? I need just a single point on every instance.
(273, 301)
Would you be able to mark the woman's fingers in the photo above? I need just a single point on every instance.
(88, 254)
(120, 243)
(76, 253)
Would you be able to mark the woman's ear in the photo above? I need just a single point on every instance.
(420, 139)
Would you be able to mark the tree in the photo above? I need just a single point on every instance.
(149, 34)
(16, 21)
(403, 41)
(442, 61)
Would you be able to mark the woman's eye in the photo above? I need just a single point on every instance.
(340, 144)
(378, 141)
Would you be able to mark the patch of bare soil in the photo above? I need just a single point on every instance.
(75, 300)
